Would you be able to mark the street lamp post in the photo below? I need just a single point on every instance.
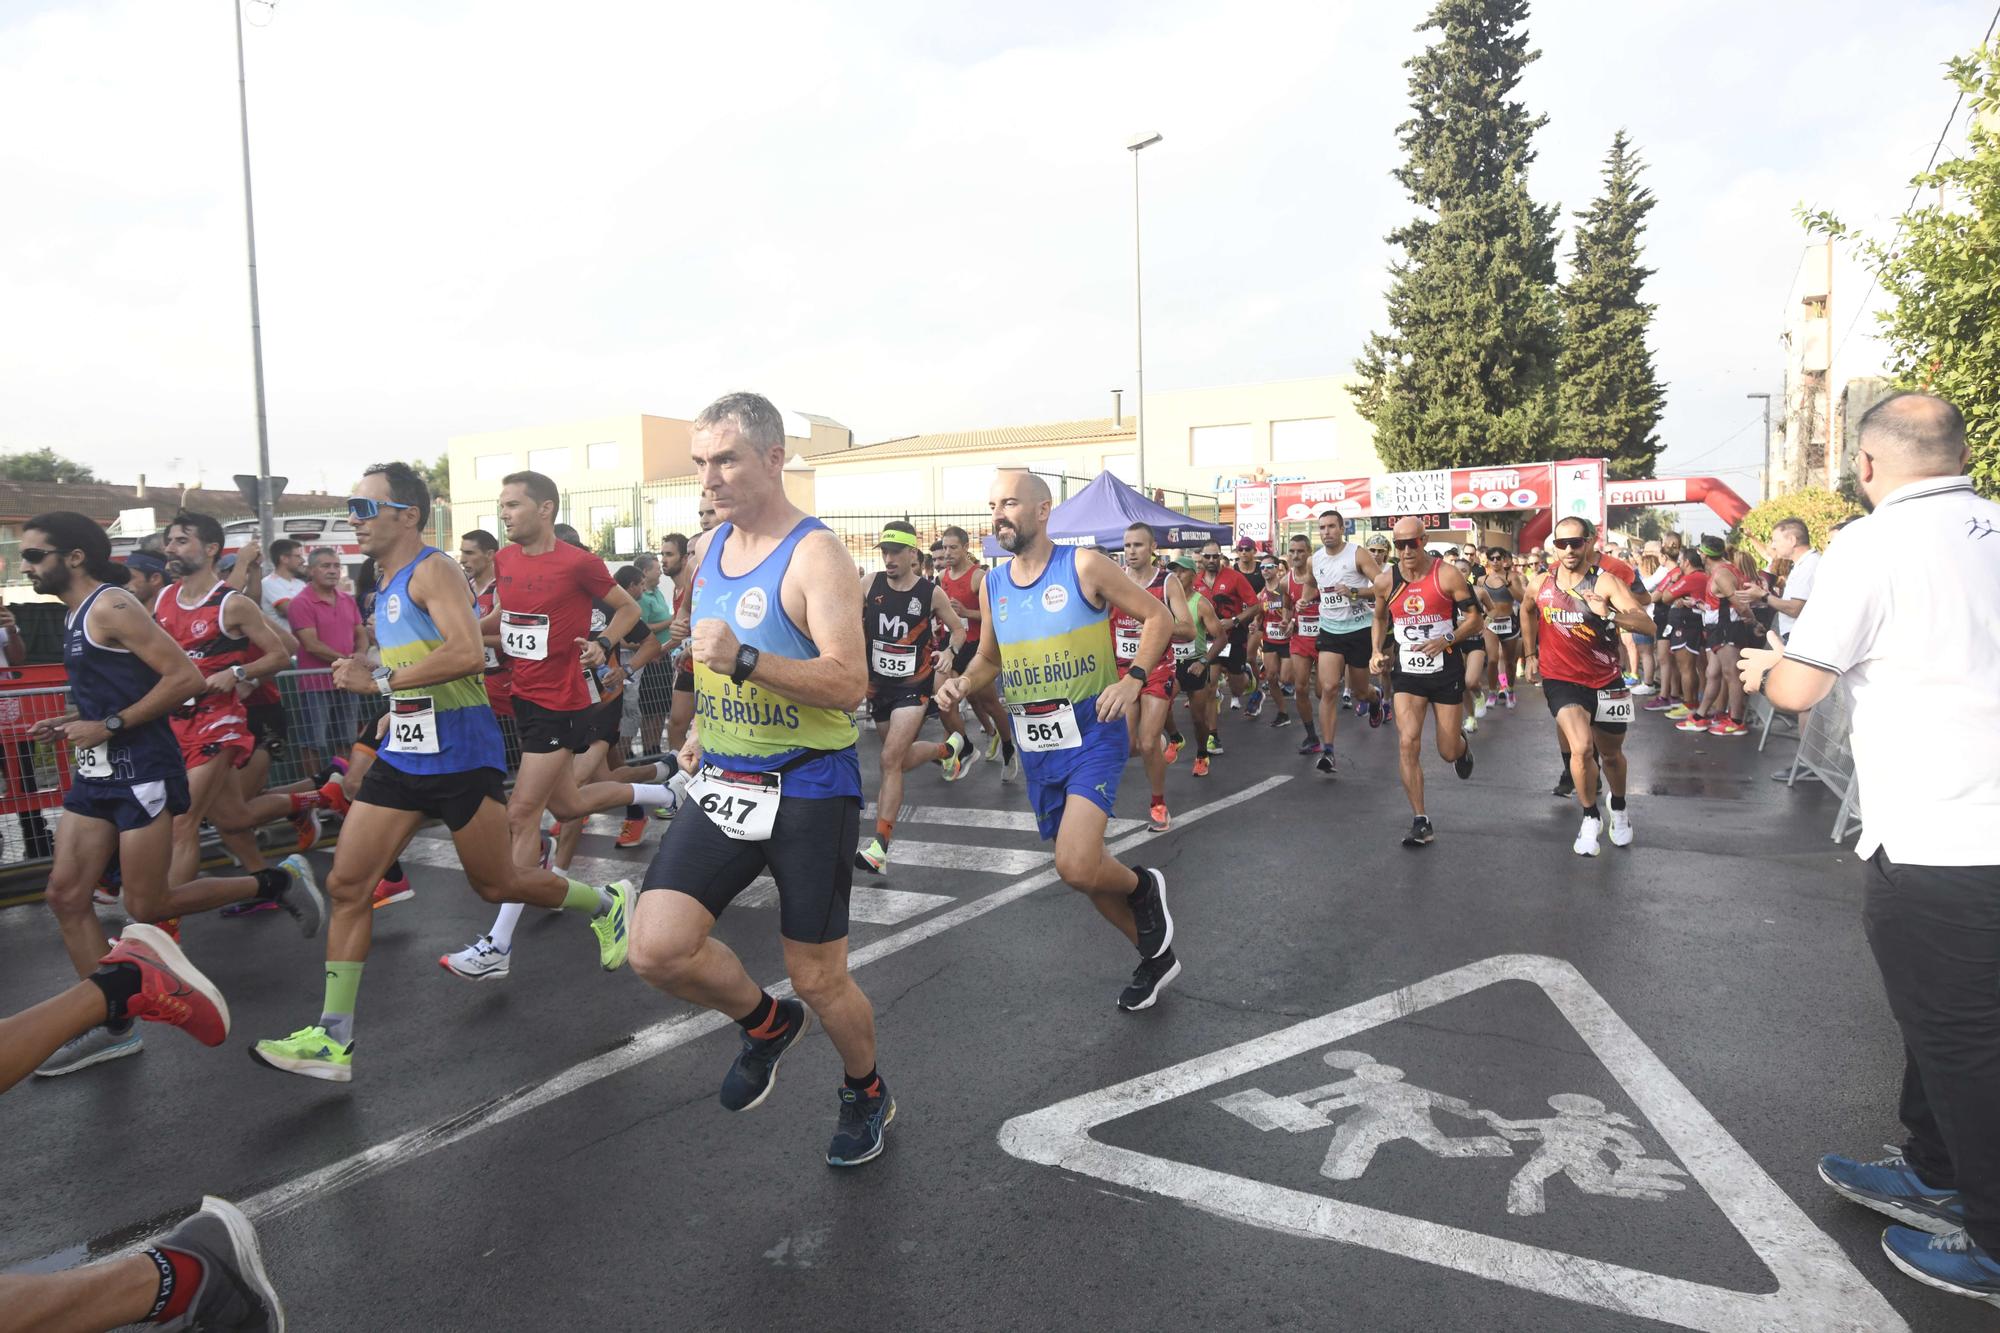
(1764, 484)
(1138, 144)
(266, 521)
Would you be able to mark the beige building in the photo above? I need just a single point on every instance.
(621, 472)
(1200, 443)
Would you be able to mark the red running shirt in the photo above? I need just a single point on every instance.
(499, 678)
(1125, 630)
(1229, 590)
(199, 632)
(560, 586)
(1572, 644)
(964, 590)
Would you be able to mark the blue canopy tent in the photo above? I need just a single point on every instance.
(1098, 515)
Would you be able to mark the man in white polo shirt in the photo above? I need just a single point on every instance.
(1790, 540)
(1908, 610)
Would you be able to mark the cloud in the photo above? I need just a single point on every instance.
(902, 216)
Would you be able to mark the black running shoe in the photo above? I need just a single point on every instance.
(1150, 914)
(749, 1080)
(1565, 785)
(234, 1293)
(1281, 720)
(863, 1117)
(1463, 764)
(1420, 833)
(1148, 980)
(1325, 764)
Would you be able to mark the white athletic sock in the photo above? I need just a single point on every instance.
(666, 769)
(503, 926)
(652, 793)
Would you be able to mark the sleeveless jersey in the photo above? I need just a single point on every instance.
(467, 736)
(964, 589)
(900, 631)
(1305, 610)
(751, 727)
(1199, 647)
(103, 681)
(1501, 620)
(1125, 629)
(1571, 643)
(499, 676)
(1274, 611)
(198, 630)
(1054, 645)
(1339, 578)
(1418, 612)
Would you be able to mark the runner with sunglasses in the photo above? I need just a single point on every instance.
(1575, 613)
(1345, 575)
(440, 757)
(1423, 619)
(1235, 601)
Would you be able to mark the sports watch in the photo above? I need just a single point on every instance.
(382, 687)
(746, 662)
(113, 724)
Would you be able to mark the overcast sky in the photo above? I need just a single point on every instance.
(905, 216)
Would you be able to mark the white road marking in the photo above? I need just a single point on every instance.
(951, 856)
(1015, 821)
(1819, 1291)
(876, 907)
(657, 1039)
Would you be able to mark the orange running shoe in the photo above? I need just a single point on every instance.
(1201, 767)
(172, 926)
(307, 822)
(335, 797)
(1173, 752)
(171, 989)
(631, 833)
(392, 891)
(1157, 813)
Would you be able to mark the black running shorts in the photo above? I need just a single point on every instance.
(962, 659)
(268, 727)
(546, 730)
(1443, 686)
(885, 698)
(1563, 694)
(810, 854)
(452, 797)
(1355, 646)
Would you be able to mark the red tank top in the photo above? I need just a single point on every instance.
(1572, 644)
(199, 632)
(964, 590)
(1305, 610)
(499, 679)
(1274, 610)
(1125, 629)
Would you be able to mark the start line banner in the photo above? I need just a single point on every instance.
(1462, 491)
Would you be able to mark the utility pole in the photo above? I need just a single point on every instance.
(1764, 472)
(266, 518)
(1139, 302)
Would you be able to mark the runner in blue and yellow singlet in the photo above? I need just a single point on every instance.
(440, 757)
(1046, 637)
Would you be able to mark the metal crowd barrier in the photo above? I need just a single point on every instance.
(1826, 754)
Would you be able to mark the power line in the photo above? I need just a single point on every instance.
(1720, 444)
(1875, 278)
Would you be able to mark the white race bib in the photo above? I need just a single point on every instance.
(1614, 705)
(413, 725)
(492, 659)
(1127, 645)
(1046, 726)
(524, 636)
(893, 661)
(1412, 661)
(1501, 626)
(94, 762)
(1308, 622)
(1185, 652)
(743, 805)
(1335, 604)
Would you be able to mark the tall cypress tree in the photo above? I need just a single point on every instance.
(1610, 399)
(1465, 374)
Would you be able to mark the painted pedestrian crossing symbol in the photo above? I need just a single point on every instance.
(1360, 1158)
(1376, 1106)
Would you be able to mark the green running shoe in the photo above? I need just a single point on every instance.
(614, 937)
(1214, 744)
(872, 857)
(993, 746)
(309, 1051)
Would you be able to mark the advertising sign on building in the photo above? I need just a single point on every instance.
(1253, 512)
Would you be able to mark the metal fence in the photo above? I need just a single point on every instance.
(1826, 755)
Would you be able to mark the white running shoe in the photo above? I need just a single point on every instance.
(1010, 767)
(1586, 836)
(481, 960)
(1471, 723)
(1621, 828)
(1478, 704)
(1641, 690)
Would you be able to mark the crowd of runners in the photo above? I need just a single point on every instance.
(753, 647)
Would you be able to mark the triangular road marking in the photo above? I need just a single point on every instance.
(1818, 1289)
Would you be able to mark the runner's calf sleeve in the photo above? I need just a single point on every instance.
(652, 793)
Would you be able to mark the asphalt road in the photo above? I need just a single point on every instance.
(547, 1152)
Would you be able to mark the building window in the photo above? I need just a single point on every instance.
(549, 461)
(1304, 441)
(601, 457)
(492, 467)
(1125, 467)
(1221, 446)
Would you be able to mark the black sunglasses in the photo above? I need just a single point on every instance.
(1409, 543)
(1569, 543)
(34, 555)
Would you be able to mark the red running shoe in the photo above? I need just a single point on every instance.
(631, 833)
(335, 797)
(392, 891)
(171, 989)
(308, 824)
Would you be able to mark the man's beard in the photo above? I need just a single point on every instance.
(53, 584)
(1009, 536)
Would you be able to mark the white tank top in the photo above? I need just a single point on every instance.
(1340, 611)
